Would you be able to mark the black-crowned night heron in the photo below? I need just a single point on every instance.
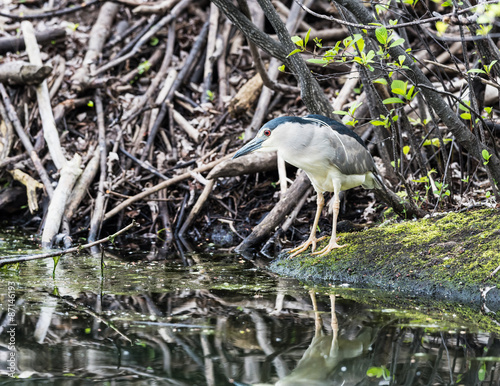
(333, 157)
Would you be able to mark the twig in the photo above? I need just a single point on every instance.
(59, 72)
(20, 72)
(494, 272)
(186, 126)
(142, 164)
(401, 25)
(42, 94)
(17, 44)
(276, 216)
(165, 184)
(207, 190)
(221, 66)
(176, 84)
(347, 88)
(263, 72)
(156, 7)
(288, 222)
(210, 51)
(82, 185)
(136, 72)
(265, 97)
(11, 160)
(9, 114)
(60, 12)
(31, 186)
(99, 207)
(98, 35)
(69, 174)
(19, 259)
(198, 206)
(159, 25)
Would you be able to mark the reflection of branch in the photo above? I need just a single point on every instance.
(19, 259)
(95, 315)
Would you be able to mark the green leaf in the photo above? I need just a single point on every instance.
(441, 27)
(397, 42)
(143, 67)
(481, 374)
(56, 261)
(318, 61)
(381, 35)
(388, 101)
(476, 71)
(353, 108)
(488, 67)
(375, 372)
(436, 142)
(484, 29)
(356, 38)
(294, 52)
(340, 112)
(465, 116)
(486, 154)
(423, 179)
(378, 123)
(406, 150)
(399, 87)
(380, 80)
(306, 39)
(154, 41)
(281, 68)
(297, 40)
(361, 44)
(464, 106)
(410, 95)
(381, 8)
(210, 95)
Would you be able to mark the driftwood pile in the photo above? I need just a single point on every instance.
(113, 111)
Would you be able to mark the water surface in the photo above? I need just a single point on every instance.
(215, 319)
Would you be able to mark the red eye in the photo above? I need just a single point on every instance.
(267, 132)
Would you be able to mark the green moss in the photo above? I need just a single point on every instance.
(451, 256)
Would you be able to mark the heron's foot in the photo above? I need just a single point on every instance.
(303, 247)
(330, 247)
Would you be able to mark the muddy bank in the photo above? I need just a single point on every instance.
(450, 258)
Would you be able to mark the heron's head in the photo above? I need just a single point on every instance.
(270, 136)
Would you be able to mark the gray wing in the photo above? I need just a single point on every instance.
(348, 155)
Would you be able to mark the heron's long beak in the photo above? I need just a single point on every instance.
(250, 147)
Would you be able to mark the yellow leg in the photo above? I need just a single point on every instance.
(333, 240)
(312, 240)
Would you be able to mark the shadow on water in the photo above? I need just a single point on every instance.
(220, 320)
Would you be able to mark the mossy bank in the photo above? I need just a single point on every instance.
(450, 257)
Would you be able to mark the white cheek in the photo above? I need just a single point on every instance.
(269, 144)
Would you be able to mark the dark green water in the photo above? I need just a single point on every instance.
(212, 319)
